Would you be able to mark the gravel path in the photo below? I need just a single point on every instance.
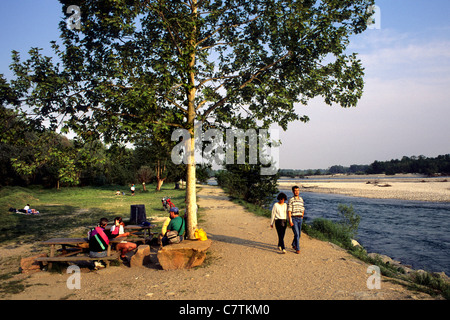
(243, 263)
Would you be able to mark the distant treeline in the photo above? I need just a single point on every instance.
(33, 155)
(421, 165)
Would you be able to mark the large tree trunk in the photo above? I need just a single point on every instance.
(160, 170)
(191, 200)
(191, 179)
(159, 183)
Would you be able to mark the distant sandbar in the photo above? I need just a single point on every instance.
(406, 187)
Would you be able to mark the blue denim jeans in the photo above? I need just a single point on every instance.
(165, 241)
(94, 254)
(297, 228)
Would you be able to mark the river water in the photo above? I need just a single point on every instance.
(416, 233)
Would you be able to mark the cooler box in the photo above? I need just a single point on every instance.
(137, 214)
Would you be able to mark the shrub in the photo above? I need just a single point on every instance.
(339, 233)
(349, 219)
(245, 182)
(327, 230)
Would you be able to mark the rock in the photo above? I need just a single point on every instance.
(421, 272)
(441, 275)
(141, 257)
(407, 269)
(417, 274)
(355, 243)
(184, 255)
(28, 265)
(382, 257)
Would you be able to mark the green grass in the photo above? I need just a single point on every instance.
(255, 209)
(327, 230)
(68, 211)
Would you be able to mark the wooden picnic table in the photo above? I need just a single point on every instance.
(77, 246)
(71, 248)
(133, 229)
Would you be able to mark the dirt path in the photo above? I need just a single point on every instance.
(243, 264)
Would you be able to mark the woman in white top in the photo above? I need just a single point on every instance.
(279, 217)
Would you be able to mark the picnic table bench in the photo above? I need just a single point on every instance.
(135, 230)
(71, 247)
(75, 249)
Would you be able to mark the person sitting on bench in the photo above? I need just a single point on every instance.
(98, 241)
(117, 230)
(176, 224)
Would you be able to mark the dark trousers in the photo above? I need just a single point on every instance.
(281, 225)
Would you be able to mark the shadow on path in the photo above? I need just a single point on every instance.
(244, 242)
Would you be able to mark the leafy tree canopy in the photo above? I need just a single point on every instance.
(136, 64)
(139, 63)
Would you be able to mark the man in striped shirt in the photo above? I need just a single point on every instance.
(296, 210)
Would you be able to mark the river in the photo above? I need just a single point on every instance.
(415, 233)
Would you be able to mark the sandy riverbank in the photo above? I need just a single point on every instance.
(380, 187)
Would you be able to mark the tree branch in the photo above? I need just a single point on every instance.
(134, 116)
(176, 105)
(261, 70)
(226, 26)
(214, 79)
(214, 45)
(169, 29)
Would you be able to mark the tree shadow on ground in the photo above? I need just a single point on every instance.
(244, 242)
(53, 221)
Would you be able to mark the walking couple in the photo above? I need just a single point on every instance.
(293, 212)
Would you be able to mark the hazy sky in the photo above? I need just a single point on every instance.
(405, 109)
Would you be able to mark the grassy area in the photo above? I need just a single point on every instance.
(255, 209)
(68, 211)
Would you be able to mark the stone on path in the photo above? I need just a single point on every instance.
(141, 257)
(184, 255)
(30, 264)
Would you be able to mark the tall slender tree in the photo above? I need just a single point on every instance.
(126, 65)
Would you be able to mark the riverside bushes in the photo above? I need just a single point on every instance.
(245, 182)
(339, 233)
(327, 230)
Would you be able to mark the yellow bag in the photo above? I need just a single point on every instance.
(200, 235)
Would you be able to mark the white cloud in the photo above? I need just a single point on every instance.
(404, 109)
(429, 61)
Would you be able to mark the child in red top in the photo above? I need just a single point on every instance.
(118, 230)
